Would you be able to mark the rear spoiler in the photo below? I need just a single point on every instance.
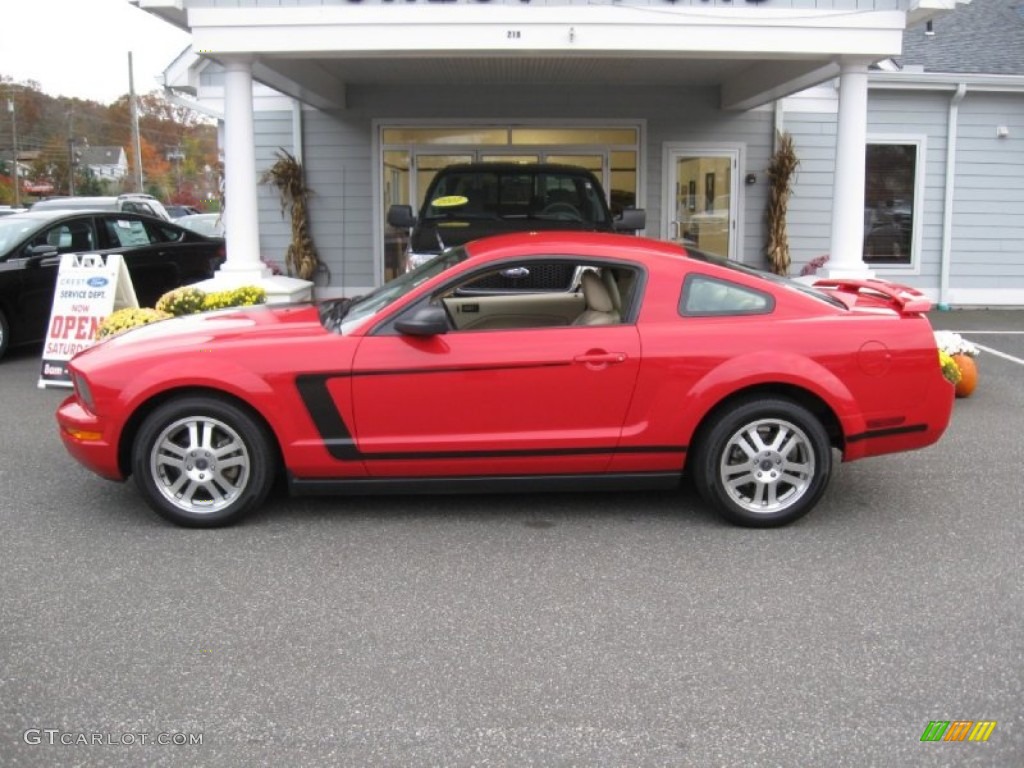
(906, 299)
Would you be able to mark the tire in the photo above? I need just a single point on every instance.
(5, 334)
(202, 462)
(763, 463)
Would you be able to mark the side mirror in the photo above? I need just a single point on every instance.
(401, 217)
(427, 321)
(36, 253)
(631, 219)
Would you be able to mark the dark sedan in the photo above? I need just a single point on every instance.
(159, 255)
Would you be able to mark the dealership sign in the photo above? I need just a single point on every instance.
(89, 287)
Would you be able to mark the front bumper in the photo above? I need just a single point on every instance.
(87, 439)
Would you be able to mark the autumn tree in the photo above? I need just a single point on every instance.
(168, 130)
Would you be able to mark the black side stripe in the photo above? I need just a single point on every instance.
(333, 429)
(874, 433)
(453, 369)
(519, 452)
(339, 442)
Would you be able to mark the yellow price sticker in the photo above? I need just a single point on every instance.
(450, 201)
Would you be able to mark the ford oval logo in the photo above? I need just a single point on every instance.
(97, 282)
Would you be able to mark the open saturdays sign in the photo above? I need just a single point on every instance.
(89, 287)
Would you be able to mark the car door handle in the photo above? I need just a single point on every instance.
(600, 358)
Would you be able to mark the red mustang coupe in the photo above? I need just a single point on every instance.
(530, 362)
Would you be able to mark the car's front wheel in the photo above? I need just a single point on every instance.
(763, 463)
(202, 461)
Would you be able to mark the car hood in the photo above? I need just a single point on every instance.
(248, 325)
(428, 236)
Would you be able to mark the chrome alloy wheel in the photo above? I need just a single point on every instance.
(767, 465)
(200, 464)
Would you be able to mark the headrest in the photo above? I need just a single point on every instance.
(595, 293)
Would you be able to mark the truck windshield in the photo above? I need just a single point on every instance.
(512, 194)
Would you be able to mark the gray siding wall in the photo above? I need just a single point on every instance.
(988, 213)
(809, 220)
(988, 206)
(340, 162)
(273, 131)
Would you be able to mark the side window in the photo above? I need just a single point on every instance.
(127, 232)
(73, 237)
(60, 237)
(705, 296)
(159, 233)
(541, 294)
(532, 277)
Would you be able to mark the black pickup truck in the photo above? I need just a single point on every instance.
(472, 200)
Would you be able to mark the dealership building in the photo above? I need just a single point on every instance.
(911, 152)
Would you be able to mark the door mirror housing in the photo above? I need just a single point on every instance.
(35, 254)
(630, 220)
(431, 320)
(401, 217)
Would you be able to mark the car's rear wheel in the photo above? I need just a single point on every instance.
(763, 463)
(202, 462)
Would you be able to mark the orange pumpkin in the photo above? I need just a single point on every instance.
(968, 375)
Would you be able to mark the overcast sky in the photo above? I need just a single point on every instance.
(80, 47)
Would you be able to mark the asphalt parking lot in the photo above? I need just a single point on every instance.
(590, 630)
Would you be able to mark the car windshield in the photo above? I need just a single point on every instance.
(14, 229)
(341, 315)
(786, 282)
(515, 194)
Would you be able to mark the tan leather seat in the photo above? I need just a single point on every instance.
(608, 278)
(600, 308)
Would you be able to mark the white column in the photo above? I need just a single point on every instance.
(846, 252)
(241, 213)
(244, 265)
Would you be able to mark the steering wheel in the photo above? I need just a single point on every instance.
(562, 209)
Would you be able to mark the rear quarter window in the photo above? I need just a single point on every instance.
(705, 296)
(164, 234)
(125, 233)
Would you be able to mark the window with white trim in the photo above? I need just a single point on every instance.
(893, 183)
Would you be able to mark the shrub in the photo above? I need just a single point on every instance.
(949, 367)
(126, 319)
(181, 301)
(245, 296)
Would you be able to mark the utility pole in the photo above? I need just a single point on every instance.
(71, 152)
(136, 139)
(14, 138)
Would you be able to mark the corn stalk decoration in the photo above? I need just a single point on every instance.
(286, 174)
(780, 175)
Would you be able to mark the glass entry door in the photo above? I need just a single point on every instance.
(701, 198)
(411, 155)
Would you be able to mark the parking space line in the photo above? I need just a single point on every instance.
(1003, 355)
(991, 351)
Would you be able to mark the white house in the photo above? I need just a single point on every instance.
(105, 163)
(674, 104)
